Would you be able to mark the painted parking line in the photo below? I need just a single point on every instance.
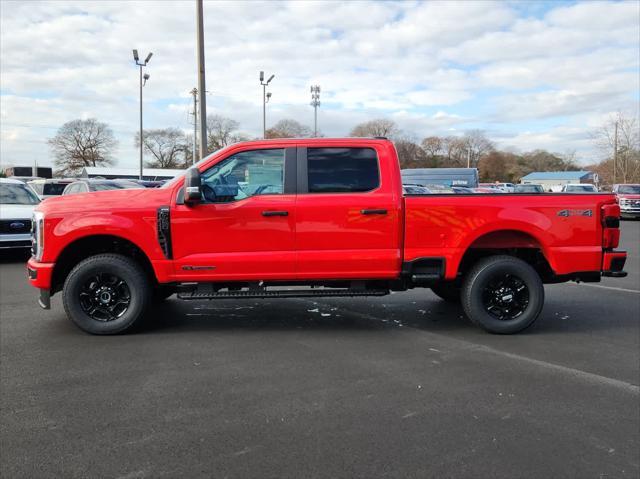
(607, 287)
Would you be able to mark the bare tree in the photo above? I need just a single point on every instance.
(222, 131)
(432, 145)
(288, 129)
(379, 127)
(477, 145)
(167, 146)
(620, 131)
(80, 143)
(410, 154)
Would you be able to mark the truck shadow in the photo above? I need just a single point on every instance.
(430, 315)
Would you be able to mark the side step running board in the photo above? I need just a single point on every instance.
(285, 293)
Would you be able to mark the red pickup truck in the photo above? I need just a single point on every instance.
(314, 217)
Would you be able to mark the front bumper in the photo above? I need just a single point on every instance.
(39, 276)
(613, 264)
(630, 212)
(10, 241)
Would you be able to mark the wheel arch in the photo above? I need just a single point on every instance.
(90, 245)
(516, 242)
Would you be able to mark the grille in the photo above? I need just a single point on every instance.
(15, 226)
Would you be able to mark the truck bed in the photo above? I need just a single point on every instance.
(565, 227)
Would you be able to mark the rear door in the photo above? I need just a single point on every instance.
(347, 214)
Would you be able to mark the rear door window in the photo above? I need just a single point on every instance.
(342, 170)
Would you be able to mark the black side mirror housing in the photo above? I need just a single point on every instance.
(192, 187)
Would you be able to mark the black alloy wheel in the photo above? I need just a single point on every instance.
(105, 297)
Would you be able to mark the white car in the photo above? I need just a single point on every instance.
(50, 187)
(17, 201)
(579, 188)
(506, 187)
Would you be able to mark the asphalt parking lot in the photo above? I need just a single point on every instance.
(399, 386)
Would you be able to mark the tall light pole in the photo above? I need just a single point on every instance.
(315, 103)
(264, 101)
(145, 77)
(201, 80)
(194, 92)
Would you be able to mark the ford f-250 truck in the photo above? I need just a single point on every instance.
(314, 217)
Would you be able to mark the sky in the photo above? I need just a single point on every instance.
(530, 74)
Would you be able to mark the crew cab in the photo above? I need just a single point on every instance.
(314, 217)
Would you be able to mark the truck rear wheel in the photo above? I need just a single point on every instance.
(502, 294)
(106, 294)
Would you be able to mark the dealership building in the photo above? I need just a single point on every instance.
(555, 180)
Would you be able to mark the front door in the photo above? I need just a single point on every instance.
(244, 228)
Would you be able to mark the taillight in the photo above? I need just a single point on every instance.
(611, 225)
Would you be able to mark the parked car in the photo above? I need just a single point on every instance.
(447, 177)
(528, 188)
(579, 188)
(17, 201)
(25, 179)
(415, 190)
(150, 183)
(629, 200)
(328, 214)
(50, 187)
(91, 185)
(506, 187)
(487, 190)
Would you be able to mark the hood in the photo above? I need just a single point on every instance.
(16, 212)
(107, 201)
(628, 196)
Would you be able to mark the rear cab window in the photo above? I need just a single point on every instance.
(342, 170)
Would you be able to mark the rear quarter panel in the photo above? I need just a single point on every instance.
(447, 225)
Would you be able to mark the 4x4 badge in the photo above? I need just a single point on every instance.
(575, 213)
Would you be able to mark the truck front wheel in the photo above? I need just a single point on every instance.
(502, 294)
(106, 294)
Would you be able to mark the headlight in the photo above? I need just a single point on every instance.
(37, 235)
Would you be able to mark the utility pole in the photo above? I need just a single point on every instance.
(615, 152)
(468, 157)
(194, 92)
(315, 103)
(145, 77)
(265, 98)
(201, 79)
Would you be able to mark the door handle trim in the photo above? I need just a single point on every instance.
(275, 213)
(374, 212)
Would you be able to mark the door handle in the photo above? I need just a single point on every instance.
(275, 213)
(374, 212)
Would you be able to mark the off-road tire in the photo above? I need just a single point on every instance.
(479, 281)
(135, 278)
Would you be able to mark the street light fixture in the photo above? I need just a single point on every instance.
(146, 76)
(265, 98)
(315, 103)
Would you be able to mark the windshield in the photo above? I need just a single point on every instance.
(53, 188)
(528, 189)
(629, 189)
(113, 185)
(14, 194)
(586, 188)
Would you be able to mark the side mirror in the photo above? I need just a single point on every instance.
(192, 187)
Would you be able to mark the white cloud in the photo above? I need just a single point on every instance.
(431, 66)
